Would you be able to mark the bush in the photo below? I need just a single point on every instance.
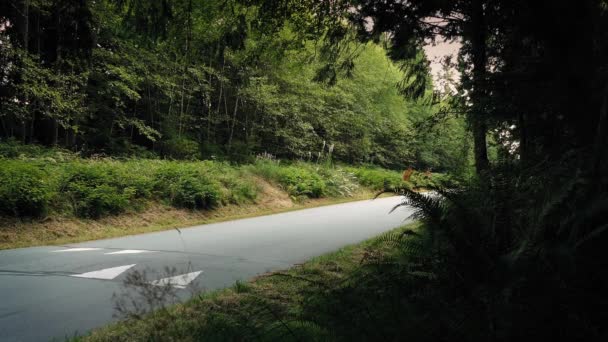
(13, 149)
(181, 148)
(378, 179)
(102, 188)
(239, 190)
(187, 186)
(340, 182)
(302, 182)
(299, 180)
(93, 188)
(191, 192)
(24, 190)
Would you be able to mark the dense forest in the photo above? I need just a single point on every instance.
(203, 79)
(514, 250)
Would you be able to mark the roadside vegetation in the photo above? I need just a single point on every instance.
(62, 184)
(55, 196)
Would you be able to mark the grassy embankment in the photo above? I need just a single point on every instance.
(54, 197)
(288, 305)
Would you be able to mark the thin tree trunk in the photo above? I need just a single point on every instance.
(226, 115)
(186, 62)
(479, 56)
(23, 132)
(32, 126)
(181, 106)
(236, 107)
(170, 102)
(38, 32)
(219, 107)
(23, 25)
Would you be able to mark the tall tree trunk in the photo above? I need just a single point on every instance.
(32, 122)
(185, 66)
(23, 132)
(219, 107)
(236, 107)
(23, 24)
(38, 33)
(479, 56)
(58, 53)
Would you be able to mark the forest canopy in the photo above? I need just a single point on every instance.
(205, 79)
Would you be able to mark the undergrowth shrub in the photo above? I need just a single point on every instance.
(239, 190)
(14, 149)
(299, 180)
(340, 182)
(96, 187)
(102, 188)
(24, 189)
(237, 184)
(181, 148)
(376, 178)
(380, 179)
(187, 185)
(192, 192)
(302, 182)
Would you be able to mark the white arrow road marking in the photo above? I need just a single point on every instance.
(180, 281)
(82, 249)
(129, 251)
(106, 273)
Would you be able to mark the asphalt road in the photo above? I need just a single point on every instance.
(58, 291)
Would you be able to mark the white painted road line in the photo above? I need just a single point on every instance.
(129, 251)
(106, 273)
(180, 281)
(82, 249)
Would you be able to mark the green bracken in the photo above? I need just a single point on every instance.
(57, 185)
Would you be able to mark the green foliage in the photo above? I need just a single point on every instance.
(191, 192)
(41, 179)
(12, 149)
(443, 146)
(362, 118)
(187, 186)
(377, 178)
(24, 189)
(209, 84)
(302, 182)
(306, 180)
(340, 182)
(298, 180)
(102, 188)
(181, 148)
(241, 188)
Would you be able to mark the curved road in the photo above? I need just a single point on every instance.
(59, 291)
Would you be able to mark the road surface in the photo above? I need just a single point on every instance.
(58, 291)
